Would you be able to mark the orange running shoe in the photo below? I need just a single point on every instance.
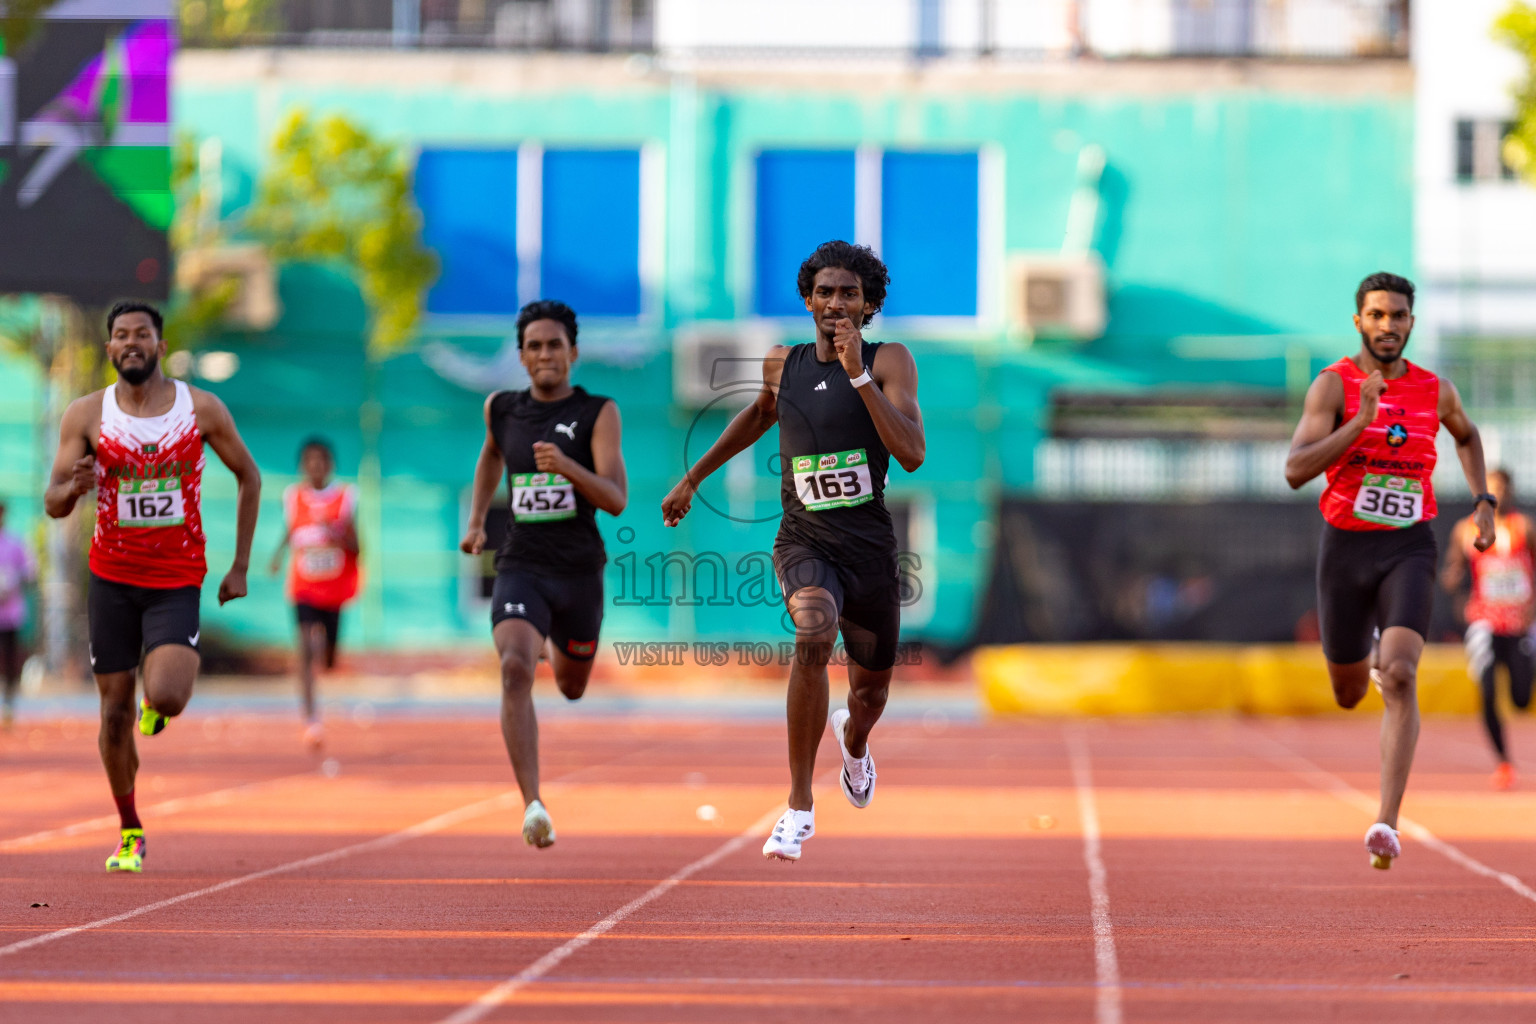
(1504, 777)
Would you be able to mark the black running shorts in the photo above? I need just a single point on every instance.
(328, 619)
(127, 622)
(1373, 579)
(867, 595)
(567, 609)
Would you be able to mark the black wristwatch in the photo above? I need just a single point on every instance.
(1490, 499)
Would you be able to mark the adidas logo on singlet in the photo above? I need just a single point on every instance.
(820, 387)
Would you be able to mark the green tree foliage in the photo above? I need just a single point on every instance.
(1516, 27)
(19, 19)
(332, 193)
(226, 22)
(335, 193)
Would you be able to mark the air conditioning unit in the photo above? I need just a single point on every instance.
(1056, 295)
(719, 362)
(255, 305)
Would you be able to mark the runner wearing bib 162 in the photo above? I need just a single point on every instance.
(139, 446)
(1369, 423)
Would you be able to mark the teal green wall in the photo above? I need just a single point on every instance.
(1234, 227)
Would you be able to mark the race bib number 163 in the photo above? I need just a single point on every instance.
(837, 480)
(1389, 500)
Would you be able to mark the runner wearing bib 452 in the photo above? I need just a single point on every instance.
(560, 449)
(1369, 423)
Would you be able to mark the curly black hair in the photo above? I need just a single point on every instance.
(135, 306)
(860, 259)
(547, 309)
(1383, 282)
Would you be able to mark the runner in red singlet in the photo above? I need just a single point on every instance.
(320, 526)
(1370, 423)
(139, 446)
(1499, 612)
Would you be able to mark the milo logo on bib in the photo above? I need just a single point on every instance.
(835, 480)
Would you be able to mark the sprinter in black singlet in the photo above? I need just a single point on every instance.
(844, 407)
(560, 448)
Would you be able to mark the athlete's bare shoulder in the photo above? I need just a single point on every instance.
(83, 415)
(773, 363)
(211, 412)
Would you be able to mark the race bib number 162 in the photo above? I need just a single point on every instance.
(1389, 500)
(147, 503)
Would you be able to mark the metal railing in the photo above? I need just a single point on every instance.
(919, 29)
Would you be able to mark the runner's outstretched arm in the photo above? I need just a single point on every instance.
(219, 432)
(74, 468)
(606, 485)
(488, 469)
(1455, 569)
(892, 404)
(1469, 449)
(1318, 443)
(739, 435)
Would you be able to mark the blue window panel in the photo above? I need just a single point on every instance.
(591, 248)
(468, 200)
(804, 198)
(928, 232)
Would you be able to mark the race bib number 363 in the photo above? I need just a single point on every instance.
(1389, 500)
(837, 480)
(145, 503)
(542, 497)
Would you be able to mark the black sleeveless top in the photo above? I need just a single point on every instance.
(821, 415)
(557, 547)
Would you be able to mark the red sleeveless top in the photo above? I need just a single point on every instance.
(149, 483)
(1382, 482)
(1502, 579)
(323, 574)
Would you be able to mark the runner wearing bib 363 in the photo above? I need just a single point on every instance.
(139, 446)
(560, 449)
(1499, 612)
(1370, 423)
(844, 408)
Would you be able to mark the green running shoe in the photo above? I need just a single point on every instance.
(130, 855)
(151, 722)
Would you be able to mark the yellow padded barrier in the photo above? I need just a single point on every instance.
(1148, 679)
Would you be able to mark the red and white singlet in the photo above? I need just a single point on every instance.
(149, 483)
(1382, 482)
(322, 574)
(1501, 579)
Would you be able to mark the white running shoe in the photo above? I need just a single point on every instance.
(857, 778)
(538, 830)
(1382, 844)
(793, 828)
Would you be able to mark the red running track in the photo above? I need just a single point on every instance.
(1234, 885)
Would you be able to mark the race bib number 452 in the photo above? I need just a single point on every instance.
(1389, 500)
(146, 503)
(542, 497)
(837, 480)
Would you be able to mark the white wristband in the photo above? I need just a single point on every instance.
(861, 379)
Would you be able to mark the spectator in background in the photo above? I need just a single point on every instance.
(17, 570)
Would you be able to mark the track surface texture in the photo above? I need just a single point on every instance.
(1201, 869)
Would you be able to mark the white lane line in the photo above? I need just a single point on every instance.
(1331, 783)
(217, 798)
(448, 819)
(1106, 963)
(549, 961)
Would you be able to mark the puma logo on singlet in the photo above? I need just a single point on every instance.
(568, 431)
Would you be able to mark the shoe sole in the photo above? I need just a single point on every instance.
(783, 855)
(1381, 859)
(125, 867)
